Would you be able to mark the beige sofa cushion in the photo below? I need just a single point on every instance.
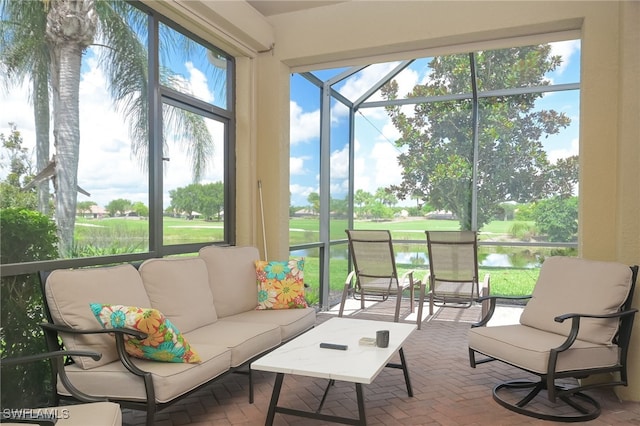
(292, 322)
(244, 340)
(179, 288)
(528, 348)
(69, 293)
(232, 277)
(574, 285)
(170, 379)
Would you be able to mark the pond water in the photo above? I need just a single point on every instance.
(488, 256)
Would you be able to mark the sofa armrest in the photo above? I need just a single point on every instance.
(57, 359)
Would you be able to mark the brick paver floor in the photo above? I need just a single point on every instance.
(446, 390)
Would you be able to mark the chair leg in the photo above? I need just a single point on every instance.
(420, 305)
(585, 407)
(398, 302)
(430, 302)
(345, 294)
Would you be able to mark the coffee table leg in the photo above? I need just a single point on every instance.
(361, 412)
(275, 395)
(406, 373)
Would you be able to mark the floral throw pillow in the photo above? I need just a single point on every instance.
(280, 284)
(164, 341)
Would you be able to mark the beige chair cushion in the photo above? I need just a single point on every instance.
(292, 322)
(69, 293)
(95, 414)
(244, 340)
(232, 277)
(528, 348)
(574, 285)
(170, 379)
(179, 288)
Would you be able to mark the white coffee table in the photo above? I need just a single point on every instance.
(359, 364)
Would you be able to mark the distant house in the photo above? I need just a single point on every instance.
(441, 214)
(304, 213)
(94, 212)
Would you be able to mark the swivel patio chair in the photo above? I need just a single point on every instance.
(374, 276)
(577, 323)
(453, 270)
(96, 411)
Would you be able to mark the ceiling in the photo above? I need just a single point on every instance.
(269, 8)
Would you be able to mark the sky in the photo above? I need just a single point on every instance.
(109, 171)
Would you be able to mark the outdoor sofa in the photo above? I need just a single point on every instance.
(210, 299)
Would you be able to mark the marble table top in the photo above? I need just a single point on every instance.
(358, 364)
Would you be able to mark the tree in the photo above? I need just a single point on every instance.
(362, 199)
(85, 206)
(140, 209)
(438, 158)
(211, 200)
(186, 199)
(16, 160)
(314, 202)
(45, 40)
(118, 207)
(557, 217)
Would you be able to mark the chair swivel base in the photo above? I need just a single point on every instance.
(581, 406)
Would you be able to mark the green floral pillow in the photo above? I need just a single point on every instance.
(280, 284)
(164, 341)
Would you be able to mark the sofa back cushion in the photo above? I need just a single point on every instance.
(574, 285)
(179, 288)
(69, 293)
(232, 277)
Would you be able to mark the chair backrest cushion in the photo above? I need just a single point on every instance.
(179, 288)
(453, 256)
(373, 256)
(232, 277)
(574, 285)
(69, 293)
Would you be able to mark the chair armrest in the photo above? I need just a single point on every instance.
(562, 318)
(492, 307)
(412, 282)
(66, 329)
(575, 325)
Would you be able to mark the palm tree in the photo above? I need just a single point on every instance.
(65, 29)
(25, 55)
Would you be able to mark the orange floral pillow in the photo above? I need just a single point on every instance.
(164, 341)
(280, 284)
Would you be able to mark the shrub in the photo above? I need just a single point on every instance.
(26, 236)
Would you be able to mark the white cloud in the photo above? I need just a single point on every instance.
(555, 154)
(296, 165)
(565, 49)
(340, 163)
(198, 83)
(301, 191)
(304, 126)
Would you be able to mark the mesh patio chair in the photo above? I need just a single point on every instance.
(374, 276)
(95, 411)
(453, 270)
(577, 323)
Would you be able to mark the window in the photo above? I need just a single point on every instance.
(142, 164)
(486, 140)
